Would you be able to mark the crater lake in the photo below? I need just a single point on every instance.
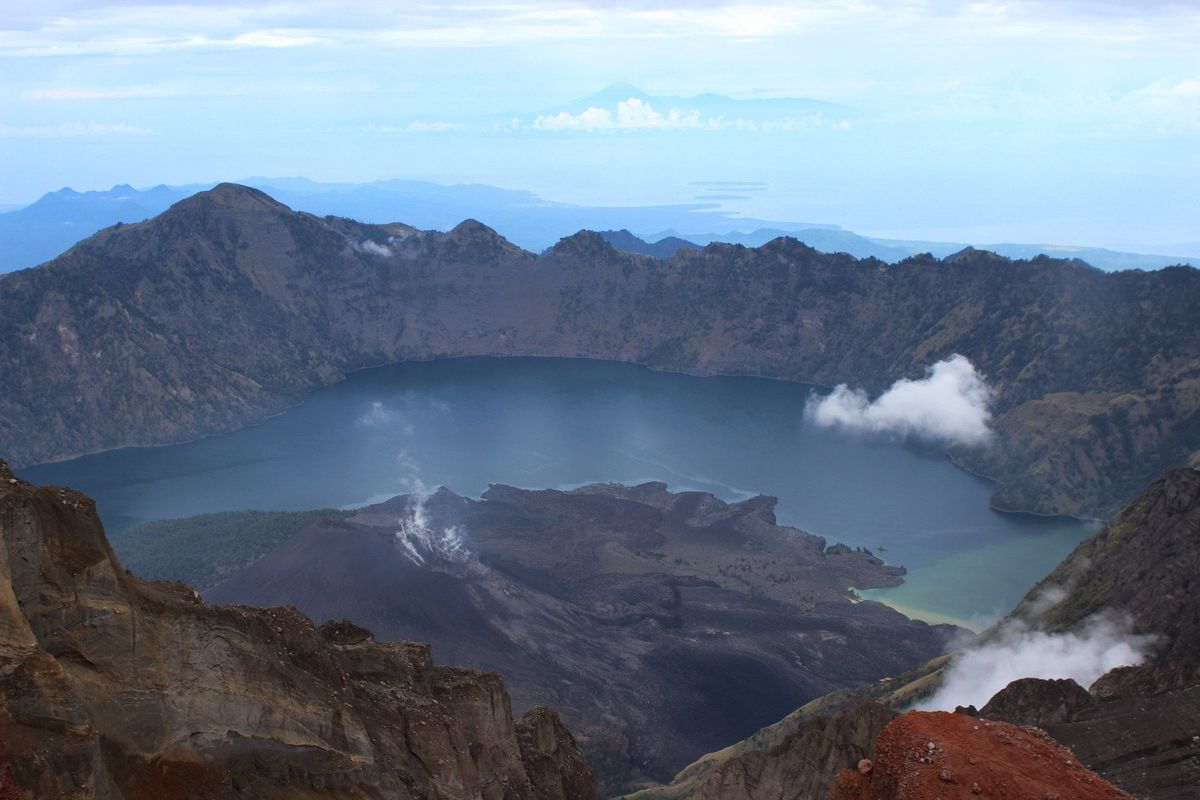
(561, 423)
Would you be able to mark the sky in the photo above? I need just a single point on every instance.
(1070, 122)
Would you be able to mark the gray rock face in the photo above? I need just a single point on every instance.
(553, 762)
(1035, 701)
(1142, 566)
(1146, 744)
(114, 688)
(114, 343)
(803, 766)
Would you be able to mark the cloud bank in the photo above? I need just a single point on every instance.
(636, 114)
(1019, 652)
(631, 115)
(949, 405)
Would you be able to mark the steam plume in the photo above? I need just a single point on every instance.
(421, 540)
(1017, 651)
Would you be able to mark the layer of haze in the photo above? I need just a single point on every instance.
(1072, 122)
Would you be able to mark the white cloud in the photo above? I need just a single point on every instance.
(71, 130)
(950, 404)
(631, 115)
(1016, 652)
(636, 114)
(54, 27)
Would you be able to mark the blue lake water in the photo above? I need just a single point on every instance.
(559, 423)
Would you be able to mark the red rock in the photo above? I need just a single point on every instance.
(928, 755)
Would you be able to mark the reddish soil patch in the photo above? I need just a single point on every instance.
(939, 756)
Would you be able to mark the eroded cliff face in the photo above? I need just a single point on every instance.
(111, 687)
(1097, 375)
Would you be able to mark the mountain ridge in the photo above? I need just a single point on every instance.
(1097, 375)
(37, 232)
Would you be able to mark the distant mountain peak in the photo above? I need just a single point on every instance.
(473, 233)
(969, 253)
(582, 243)
(472, 228)
(235, 190)
(230, 195)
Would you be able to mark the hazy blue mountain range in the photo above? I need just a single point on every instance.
(48, 227)
(42, 230)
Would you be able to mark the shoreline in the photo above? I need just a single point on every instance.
(922, 615)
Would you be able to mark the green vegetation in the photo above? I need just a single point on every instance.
(204, 550)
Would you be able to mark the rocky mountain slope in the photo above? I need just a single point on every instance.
(114, 688)
(660, 625)
(1137, 726)
(142, 334)
(1143, 566)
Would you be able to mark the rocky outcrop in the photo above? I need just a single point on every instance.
(936, 755)
(554, 764)
(1035, 701)
(1145, 744)
(114, 688)
(805, 765)
(660, 624)
(112, 344)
